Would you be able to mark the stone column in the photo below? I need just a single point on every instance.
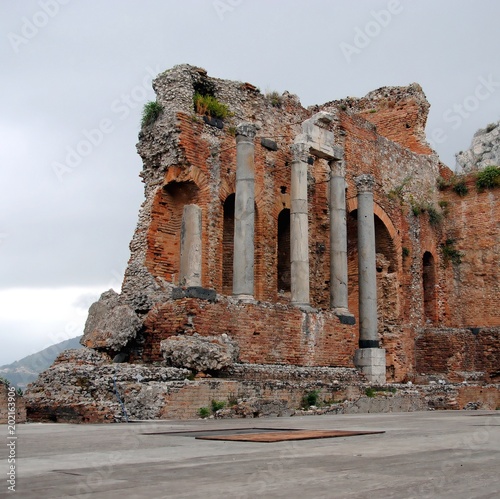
(369, 357)
(338, 244)
(190, 266)
(244, 213)
(299, 232)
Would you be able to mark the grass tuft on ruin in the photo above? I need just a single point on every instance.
(208, 105)
(151, 113)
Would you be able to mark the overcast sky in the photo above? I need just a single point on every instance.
(72, 67)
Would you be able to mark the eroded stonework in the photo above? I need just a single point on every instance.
(273, 207)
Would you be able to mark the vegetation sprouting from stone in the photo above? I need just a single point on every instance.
(217, 405)
(456, 182)
(435, 217)
(208, 105)
(203, 412)
(488, 178)
(150, 113)
(460, 187)
(450, 253)
(398, 191)
(274, 98)
(371, 391)
(311, 399)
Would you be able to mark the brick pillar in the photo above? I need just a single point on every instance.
(369, 357)
(244, 213)
(299, 232)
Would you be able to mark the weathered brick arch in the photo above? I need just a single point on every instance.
(228, 187)
(163, 236)
(190, 174)
(352, 205)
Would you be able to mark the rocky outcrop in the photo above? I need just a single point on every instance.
(110, 325)
(484, 150)
(200, 353)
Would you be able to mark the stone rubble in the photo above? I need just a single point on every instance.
(200, 353)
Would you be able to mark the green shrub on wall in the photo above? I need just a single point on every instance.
(488, 178)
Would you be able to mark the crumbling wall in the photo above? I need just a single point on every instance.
(472, 285)
(190, 158)
(459, 354)
(265, 333)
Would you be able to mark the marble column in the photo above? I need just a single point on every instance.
(244, 213)
(299, 232)
(338, 244)
(191, 254)
(369, 357)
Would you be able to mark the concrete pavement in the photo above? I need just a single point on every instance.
(449, 454)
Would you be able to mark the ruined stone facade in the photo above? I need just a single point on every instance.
(261, 188)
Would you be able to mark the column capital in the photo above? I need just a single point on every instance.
(300, 151)
(246, 130)
(364, 183)
(337, 168)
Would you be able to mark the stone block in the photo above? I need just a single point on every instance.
(371, 362)
(194, 292)
(269, 144)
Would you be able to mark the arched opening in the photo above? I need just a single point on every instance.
(283, 260)
(388, 300)
(164, 235)
(429, 285)
(228, 245)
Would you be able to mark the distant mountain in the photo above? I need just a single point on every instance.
(24, 371)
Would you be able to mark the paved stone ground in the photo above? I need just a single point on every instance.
(449, 454)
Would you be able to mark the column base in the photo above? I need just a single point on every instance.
(245, 298)
(371, 362)
(344, 316)
(305, 307)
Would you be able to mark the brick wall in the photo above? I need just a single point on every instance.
(453, 353)
(266, 334)
(473, 287)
